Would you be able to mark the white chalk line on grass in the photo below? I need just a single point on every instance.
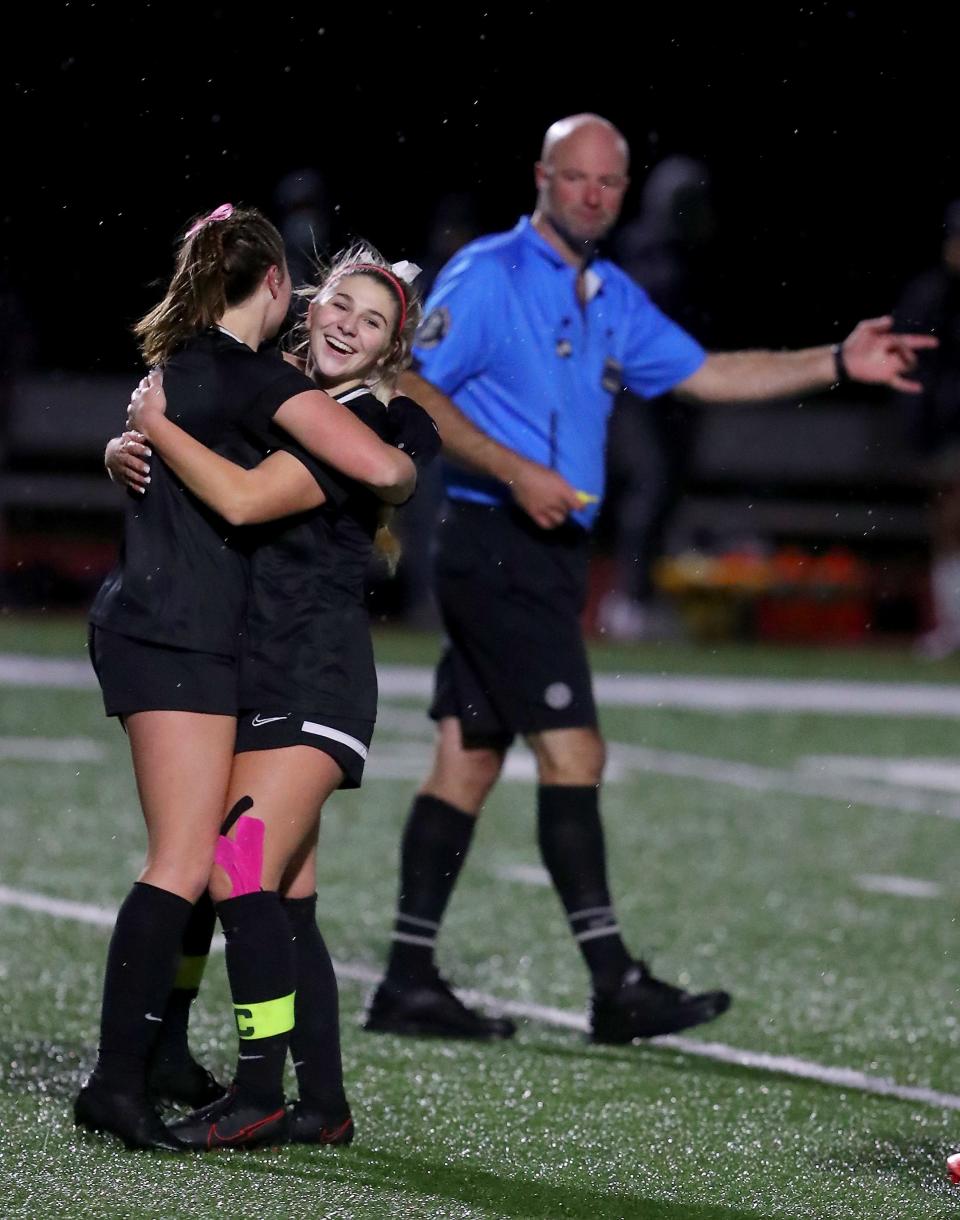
(612, 690)
(731, 694)
(58, 673)
(899, 887)
(406, 760)
(50, 749)
(390, 760)
(800, 782)
(62, 908)
(65, 908)
(717, 1052)
(871, 883)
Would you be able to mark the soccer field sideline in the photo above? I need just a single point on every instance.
(706, 693)
(718, 1052)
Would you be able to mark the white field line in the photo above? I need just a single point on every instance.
(936, 774)
(64, 908)
(61, 908)
(407, 760)
(872, 883)
(526, 874)
(756, 778)
(899, 887)
(718, 1052)
(50, 749)
(731, 694)
(612, 690)
(60, 673)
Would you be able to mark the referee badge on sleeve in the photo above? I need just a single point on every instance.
(612, 376)
(434, 328)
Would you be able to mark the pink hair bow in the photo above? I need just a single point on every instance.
(223, 212)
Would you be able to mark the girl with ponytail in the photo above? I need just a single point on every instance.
(308, 685)
(165, 641)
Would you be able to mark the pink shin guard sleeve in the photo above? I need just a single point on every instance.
(241, 858)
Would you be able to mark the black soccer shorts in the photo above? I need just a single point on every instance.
(138, 676)
(511, 596)
(347, 741)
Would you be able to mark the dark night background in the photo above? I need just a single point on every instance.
(829, 130)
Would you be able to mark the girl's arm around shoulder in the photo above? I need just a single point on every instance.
(331, 432)
(278, 486)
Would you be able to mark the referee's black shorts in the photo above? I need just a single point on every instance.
(511, 596)
(140, 676)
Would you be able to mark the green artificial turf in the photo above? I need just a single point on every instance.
(755, 889)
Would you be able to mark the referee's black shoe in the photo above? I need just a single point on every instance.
(642, 1006)
(128, 1116)
(232, 1122)
(307, 1125)
(428, 1007)
(181, 1081)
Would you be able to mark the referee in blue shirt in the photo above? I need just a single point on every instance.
(528, 337)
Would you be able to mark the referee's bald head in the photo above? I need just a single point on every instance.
(562, 129)
(581, 178)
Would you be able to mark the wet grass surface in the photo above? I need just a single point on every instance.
(755, 891)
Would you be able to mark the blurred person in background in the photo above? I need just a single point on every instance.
(454, 222)
(931, 303)
(300, 203)
(667, 250)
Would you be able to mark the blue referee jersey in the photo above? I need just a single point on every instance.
(507, 339)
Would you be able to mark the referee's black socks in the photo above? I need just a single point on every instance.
(141, 965)
(315, 1038)
(572, 847)
(435, 844)
(260, 968)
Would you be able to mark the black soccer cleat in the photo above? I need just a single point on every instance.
(231, 1122)
(181, 1081)
(429, 1008)
(307, 1125)
(642, 1006)
(128, 1116)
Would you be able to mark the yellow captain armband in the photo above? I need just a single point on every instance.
(586, 497)
(265, 1019)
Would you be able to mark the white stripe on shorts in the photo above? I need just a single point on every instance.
(324, 730)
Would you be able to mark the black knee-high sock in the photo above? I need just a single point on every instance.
(315, 1040)
(572, 847)
(194, 951)
(141, 964)
(260, 969)
(435, 844)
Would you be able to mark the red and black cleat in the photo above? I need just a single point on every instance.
(310, 1126)
(232, 1122)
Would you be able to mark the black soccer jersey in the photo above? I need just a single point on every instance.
(308, 646)
(182, 575)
